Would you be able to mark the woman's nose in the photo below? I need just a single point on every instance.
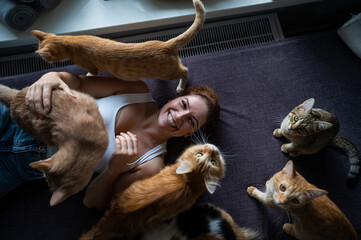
(183, 114)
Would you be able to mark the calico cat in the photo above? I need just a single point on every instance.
(201, 221)
(149, 202)
(127, 61)
(312, 129)
(74, 126)
(314, 215)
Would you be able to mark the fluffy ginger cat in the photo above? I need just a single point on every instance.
(74, 126)
(312, 129)
(314, 215)
(149, 202)
(127, 61)
(201, 221)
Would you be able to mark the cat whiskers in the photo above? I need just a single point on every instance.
(199, 137)
(278, 119)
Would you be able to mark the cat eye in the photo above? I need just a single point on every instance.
(199, 154)
(282, 187)
(295, 201)
(295, 118)
(214, 163)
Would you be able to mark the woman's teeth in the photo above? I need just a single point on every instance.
(170, 120)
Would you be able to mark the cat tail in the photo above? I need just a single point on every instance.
(193, 30)
(7, 94)
(353, 156)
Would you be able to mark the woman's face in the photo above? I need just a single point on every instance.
(184, 115)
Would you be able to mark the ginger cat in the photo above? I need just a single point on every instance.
(127, 61)
(74, 126)
(314, 215)
(201, 221)
(149, 202)
(312, 129)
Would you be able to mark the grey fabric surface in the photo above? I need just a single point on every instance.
(257, 86)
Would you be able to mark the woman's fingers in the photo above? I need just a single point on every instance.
(126, 144)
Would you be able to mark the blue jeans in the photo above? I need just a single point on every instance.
(17, 151)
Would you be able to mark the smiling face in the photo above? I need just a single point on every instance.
(183, 115)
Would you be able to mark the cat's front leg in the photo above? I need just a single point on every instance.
(289, 229)
(181, 86)
(290, 149)
(257, 194)
(277, 133)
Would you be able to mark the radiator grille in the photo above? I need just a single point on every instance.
(213, 37)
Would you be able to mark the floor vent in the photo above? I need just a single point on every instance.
(213, 37)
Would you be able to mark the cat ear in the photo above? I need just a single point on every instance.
(44, 52)
(321, 126)
(58, 196)
(40, 35)
(43, 165)
(211, 185)
(307, 105)
(289, 169)
(184, 167)
(316, 192)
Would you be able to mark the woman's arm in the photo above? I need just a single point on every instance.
(39, 94)
(99, 191)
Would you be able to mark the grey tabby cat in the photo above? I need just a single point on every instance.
(312, 129)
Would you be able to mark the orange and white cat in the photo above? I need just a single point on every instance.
(74, 126)
(149, 202)
(314, 215)
(127, 61)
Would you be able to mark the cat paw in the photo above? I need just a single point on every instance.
(284, 148)
(180, 90)
(294, 154)
(250, 190)
(277, 133)
(287, 227)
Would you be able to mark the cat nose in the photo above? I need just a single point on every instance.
(211, 146)
(289, 128)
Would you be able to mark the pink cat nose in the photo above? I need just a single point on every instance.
(211, 146)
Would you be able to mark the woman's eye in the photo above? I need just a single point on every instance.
(282, 188)
(295, 201)
(184, 104)
(199, 154)
(214, 162)
(191, 122)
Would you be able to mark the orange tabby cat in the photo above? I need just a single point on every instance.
(314, 215)
(127, 61)
(74, 126)
(149, 202)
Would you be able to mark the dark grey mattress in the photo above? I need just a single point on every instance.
(257, 86)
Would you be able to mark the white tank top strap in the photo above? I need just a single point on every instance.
(155, 152)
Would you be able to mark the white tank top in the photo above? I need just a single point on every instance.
(108, 108)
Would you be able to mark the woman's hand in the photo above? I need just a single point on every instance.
(99, 191)
(38, 96)
(126, 148)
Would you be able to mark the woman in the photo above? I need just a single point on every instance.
(137, 129)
